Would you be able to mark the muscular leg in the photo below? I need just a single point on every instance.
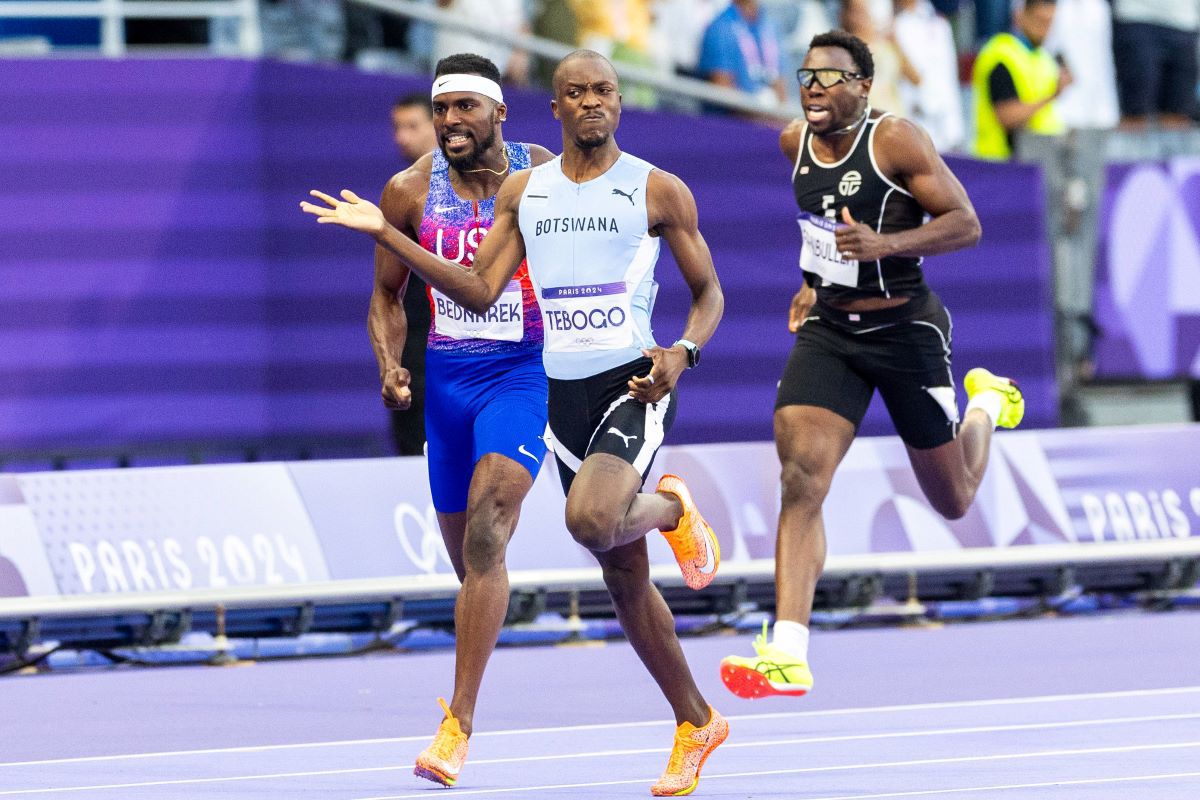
(650, 628)
(811, 442)
(454, 530)
(498, 486)
(949, 475)
(606, 510)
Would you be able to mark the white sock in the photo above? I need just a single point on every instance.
(791, 638)
(989, 403)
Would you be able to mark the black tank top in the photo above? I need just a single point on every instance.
(823, 189)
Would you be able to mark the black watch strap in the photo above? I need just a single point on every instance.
(693, 351)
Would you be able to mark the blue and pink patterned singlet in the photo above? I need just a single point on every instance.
(485, 387)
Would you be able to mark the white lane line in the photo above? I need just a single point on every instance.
(670, 724)
(1030, 726)
(1006, 786)
(193, 781)
(459, 792)
(627, 752)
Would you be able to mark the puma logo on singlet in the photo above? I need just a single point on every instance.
(627, 195)
(623, 436)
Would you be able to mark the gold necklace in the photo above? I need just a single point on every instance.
(500, 173)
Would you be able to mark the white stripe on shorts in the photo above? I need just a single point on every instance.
(656, 413)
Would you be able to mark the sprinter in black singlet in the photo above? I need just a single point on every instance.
(864, 319)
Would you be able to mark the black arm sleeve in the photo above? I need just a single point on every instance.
(1001, 86)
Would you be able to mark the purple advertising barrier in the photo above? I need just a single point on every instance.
(371, 528)
(144, 530)
(1148, 279)
(1074, 486)
(158, 282)
(24, 568)
(173, 528)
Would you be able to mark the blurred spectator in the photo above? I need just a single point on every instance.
(890, 63)
(798, 21)
(882, 13)
(553, 20)
(377, 41)
(740, 50)
(612, 26)
(412, 130)
(991, 17)
(933, 100)
(303, 30)
(682, 24)
(412, 126)
(1082, 36)
(1016, 83)
(502, 16)
(621, 30)
(1154, 43)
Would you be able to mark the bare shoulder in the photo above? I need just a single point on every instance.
(790, 138)
(539, 155)
(509, 195)
(515, 182)
(902, 146)
(899, 131)
(413, 178)
(667, 187)
(669, 201)
(403, 197)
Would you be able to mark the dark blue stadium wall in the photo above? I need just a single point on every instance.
(159, 283)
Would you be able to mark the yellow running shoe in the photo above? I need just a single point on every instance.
(771, 672)
(692, 748)
(693, 542)
(443, 759)
(1012, 403)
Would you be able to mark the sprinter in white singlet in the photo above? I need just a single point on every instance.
(590, 223)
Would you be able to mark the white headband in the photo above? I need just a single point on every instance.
(444, 84)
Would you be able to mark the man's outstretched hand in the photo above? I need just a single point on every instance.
(351, 212)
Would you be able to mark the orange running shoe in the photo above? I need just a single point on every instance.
(692, 748)
(443, 759)
(693, 542)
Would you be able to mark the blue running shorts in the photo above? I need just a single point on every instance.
(479, 404)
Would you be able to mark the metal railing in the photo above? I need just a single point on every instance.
(676, 85)
(113, 14)
(848, 583)
(249, 43)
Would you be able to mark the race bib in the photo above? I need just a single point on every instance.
(504, 321)
(819, 253)
(595, 317)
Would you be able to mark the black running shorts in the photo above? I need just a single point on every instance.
(840, 359)
(597, 415)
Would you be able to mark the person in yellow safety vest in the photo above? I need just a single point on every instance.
(1015, 83)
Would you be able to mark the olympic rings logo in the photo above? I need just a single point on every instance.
(421, 539)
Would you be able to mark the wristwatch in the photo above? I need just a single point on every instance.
(693, 351)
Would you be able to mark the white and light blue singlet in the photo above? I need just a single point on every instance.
(591, 260)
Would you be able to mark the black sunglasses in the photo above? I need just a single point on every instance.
(828, 77)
